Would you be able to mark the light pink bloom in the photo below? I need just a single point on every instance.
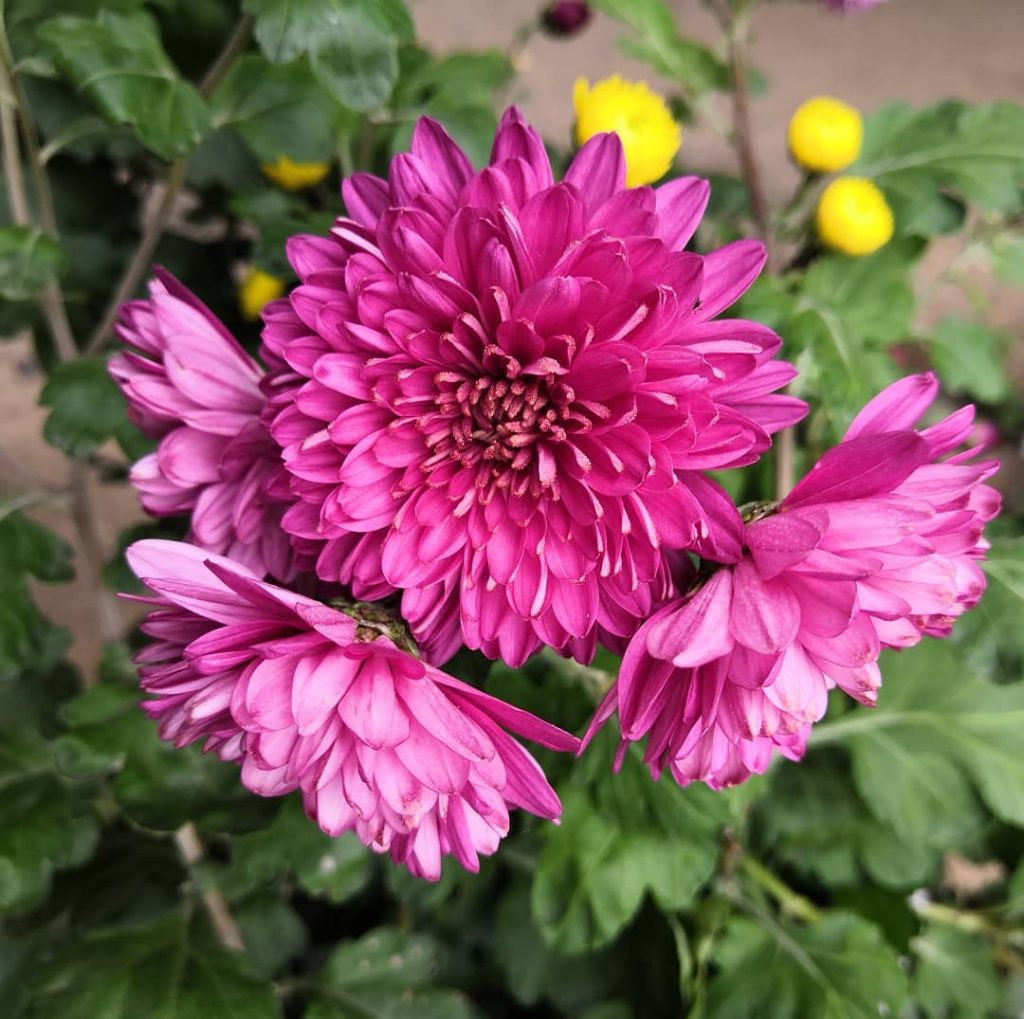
(513, 388)
(879, 544)
(415, 762)
(190, 384)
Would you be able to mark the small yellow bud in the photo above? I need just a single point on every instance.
(825, 135)
(641, 119)
(853, 216)
(292, 176)
(257, 289)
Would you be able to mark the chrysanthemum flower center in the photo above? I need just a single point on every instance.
(499, 419)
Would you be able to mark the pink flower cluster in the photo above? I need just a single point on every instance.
(486, 420)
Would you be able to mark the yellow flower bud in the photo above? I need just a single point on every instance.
(853, 216)
(257, 289)
(641, 119)
(292, 176)
(825, 135)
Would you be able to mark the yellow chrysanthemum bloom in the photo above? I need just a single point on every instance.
(292, 176)
(853, 216)
(640, 117)
(257, 289)
(825, 135)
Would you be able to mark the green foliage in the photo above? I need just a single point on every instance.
(278, 109)
(352, 45)
(118, 61)
(969, 359)
(659, 43)
(169, 969)
(386, 974)
(837, 968)
(87, 409)
(974, 152)
(955, 977)
(29, 259)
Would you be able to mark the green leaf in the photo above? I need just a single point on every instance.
(837, 968)
(386, 974)
(28, 547)
(969, 358)
(278, 216)
(336, 868)
(814, 821)
(29, 259)
(272, 932)
(610, 851)
(352, 44)
(279, 109)
(156, 784)
(118, 61)
(170, 969)
(1008, 257)
(659, 44)
(977, 152)
(87, 409)
(929, 700)
(954, 977)
(46, 826)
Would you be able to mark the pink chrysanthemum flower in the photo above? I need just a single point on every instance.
(879, 544)
(512, 388)
(190, 384)
(413, 761)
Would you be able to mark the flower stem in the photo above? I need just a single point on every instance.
(736, 30)
(789, 901)
(190, 847)
(138, 264)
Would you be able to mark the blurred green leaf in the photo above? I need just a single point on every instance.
(837, 968)
(292, 844)
(975, 151)
(352, 44)
(1008, 257)
(171, 969)
(118, 61)
(659, 44)
(931, 704)
(272, 932)
(386, 974)
(87, 409)
(279, 109)
(954, 977)
(28, 547)
(969, 358)
(156, 784)
(278, 216)
(29, 259)
(46, 824)
(610, 851)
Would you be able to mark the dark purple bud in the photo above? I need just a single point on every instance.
(566, 17)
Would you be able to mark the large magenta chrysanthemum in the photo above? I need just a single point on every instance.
(413, 761)
(511, 388)
(189, 383)
(878, 545)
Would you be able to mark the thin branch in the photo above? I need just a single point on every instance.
(785, 466)
(190, 847)
(51, 301)
(736, 39)
(16, 197)
(138, 264)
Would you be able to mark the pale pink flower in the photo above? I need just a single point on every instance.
(190, 384)
(415, 762)
(512, 388)
(879, 544)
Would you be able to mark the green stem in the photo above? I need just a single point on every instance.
(789, 901)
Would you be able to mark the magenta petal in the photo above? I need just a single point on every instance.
(897, 407)
(728, 274)
(697, 630)
(681, 205)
